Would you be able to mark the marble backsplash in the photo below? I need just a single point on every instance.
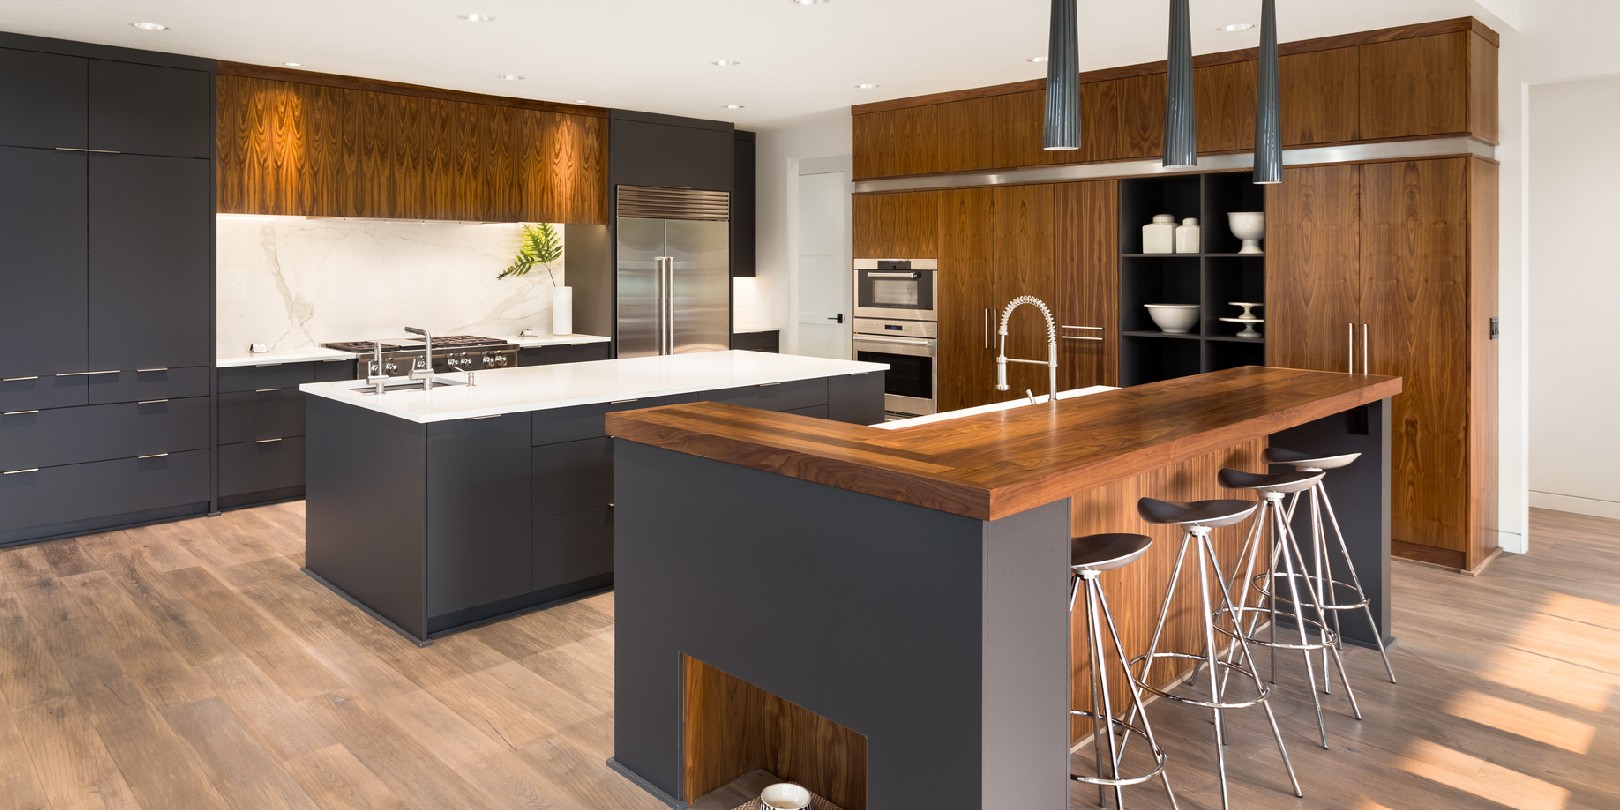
(293, 283)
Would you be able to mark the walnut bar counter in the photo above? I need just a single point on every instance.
(883, 615)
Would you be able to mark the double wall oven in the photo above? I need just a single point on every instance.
(896, 322)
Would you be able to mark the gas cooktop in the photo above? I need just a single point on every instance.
(462, 342)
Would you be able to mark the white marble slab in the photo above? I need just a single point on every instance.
(295, 283)
(277, 358)
(515, 390)
(991, 408)
(530, 342)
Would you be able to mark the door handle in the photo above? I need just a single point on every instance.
(1366, 365)
(839, 318)
(1350, 346)
(987, 329)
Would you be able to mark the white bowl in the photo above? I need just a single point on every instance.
(1176, 319)
(1249, 226)
(786, 796)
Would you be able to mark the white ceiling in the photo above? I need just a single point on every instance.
(799, 63)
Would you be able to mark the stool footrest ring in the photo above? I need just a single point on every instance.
(1325, 637)
(1264, 690)
(1357, 601)
(1159, 757)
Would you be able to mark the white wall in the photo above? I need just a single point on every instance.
(293, 282)
(779, 153)
(1574, 294)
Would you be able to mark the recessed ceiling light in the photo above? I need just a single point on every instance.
(867, 86)
(582, 101)
(1036, 59)
(725, 63)
(149, 26)
(511, 77)
(810, 2)
(1236, 27)
(293, 64)
(732, 106)
(476, 17)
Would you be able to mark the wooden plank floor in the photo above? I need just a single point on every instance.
(192, 665)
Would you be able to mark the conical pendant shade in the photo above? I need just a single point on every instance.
(1062, 129)
(1268, 160)
(1180, 121)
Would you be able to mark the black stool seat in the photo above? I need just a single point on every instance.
(1283, 482)
(1105, 552)
(1195, 513)
(1309, 461)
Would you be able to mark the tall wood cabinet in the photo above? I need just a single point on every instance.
(1405, 252)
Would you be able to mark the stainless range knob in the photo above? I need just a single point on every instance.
(500, 361)
(390, 367)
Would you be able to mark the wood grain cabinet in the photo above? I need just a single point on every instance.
(293, 143)
(1406, 251)
(896, 226)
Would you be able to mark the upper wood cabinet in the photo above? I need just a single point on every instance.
(1086, 257)
(896, 226)
(307, 149)
(1416, 81)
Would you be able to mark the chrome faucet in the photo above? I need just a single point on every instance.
(425, 373)
(375, 375)
(1051, 362)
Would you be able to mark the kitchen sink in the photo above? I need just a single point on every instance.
(405, 384)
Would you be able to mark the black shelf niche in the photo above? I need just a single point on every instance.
(1211, 279)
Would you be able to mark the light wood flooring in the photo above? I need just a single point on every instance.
(192, 665)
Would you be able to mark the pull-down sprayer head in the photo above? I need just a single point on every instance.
(1051, 343)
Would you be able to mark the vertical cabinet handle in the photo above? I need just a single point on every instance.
(1350, 345)
(987, 328)
(1366, 366)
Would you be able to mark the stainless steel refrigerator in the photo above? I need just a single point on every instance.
(674, 271)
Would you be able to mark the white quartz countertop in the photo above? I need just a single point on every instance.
(316, 353)
(516, 390)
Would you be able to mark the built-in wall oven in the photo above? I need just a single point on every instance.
(911, 349)
(903, 289)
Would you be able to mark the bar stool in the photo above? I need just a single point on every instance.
(1089, 557)
(1199, 518)
(1272, 489)
(1327, 585)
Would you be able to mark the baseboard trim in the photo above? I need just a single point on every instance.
(1591, 507)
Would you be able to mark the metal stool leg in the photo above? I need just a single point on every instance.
(1355, 580)
(1331, 648)
(1283, 536)
(1100, 678)
(1136, 696)
(1204, 563)
(1158, 626)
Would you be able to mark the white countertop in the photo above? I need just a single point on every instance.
(537, 388)
(317, 353)
(991, 408)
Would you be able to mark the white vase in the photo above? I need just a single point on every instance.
(562, 310)
(1187, 236)
(1160, 237)
(1249, 226)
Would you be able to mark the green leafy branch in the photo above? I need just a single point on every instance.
(541, 245)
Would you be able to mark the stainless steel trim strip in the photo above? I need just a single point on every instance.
(1351, 153)
(674, 203)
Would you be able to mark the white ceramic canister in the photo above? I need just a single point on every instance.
(1187, 236)
(1160, 236)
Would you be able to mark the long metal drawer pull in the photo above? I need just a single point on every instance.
(893, 275)
(491, 416)
(769, 384)
(267, 441)
(20, 472)
(151, 402)
(19, 379)
(151, 370)
(262, 390)
(1092, 328)
(17, 413)
(154, 455)
(87, 373)
(1078, 337)
(623, 401)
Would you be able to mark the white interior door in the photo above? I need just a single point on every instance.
(824, 265)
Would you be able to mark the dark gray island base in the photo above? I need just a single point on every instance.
(882, 616)
(436, 526)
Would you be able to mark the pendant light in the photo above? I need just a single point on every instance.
(1062, 131)
(1268, 161)
(1180, 121)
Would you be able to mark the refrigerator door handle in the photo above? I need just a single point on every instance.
(663, 304)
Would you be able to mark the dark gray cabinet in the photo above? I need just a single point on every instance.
(43, 256)
(51, 438)
(560, 353)
(261, 429)
(151, 262)
(75, 498)
(769, 340)
(743, 201)
(573, 548)
(150, 110)
(648, 149)
(478, 494)
(43, 99)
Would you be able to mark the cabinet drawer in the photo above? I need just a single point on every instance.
(587, 421)
(334, 370)
(531, 357)
(252, 378)
(817, 411)
(156, 383)
(781, 397)
(46, 391)
(100, 432)
(572, 546)
(569, 476)
(104, 489)
(261, 466)
(565, 353)
(247, 416)
(768, 341)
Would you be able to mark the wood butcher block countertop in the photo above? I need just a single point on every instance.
(992, 465)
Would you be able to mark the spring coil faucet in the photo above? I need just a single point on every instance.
(1051, 362)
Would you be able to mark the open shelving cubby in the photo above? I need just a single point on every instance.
(1209, 279)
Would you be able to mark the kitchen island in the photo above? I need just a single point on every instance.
(438, 509)
(882, 615)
